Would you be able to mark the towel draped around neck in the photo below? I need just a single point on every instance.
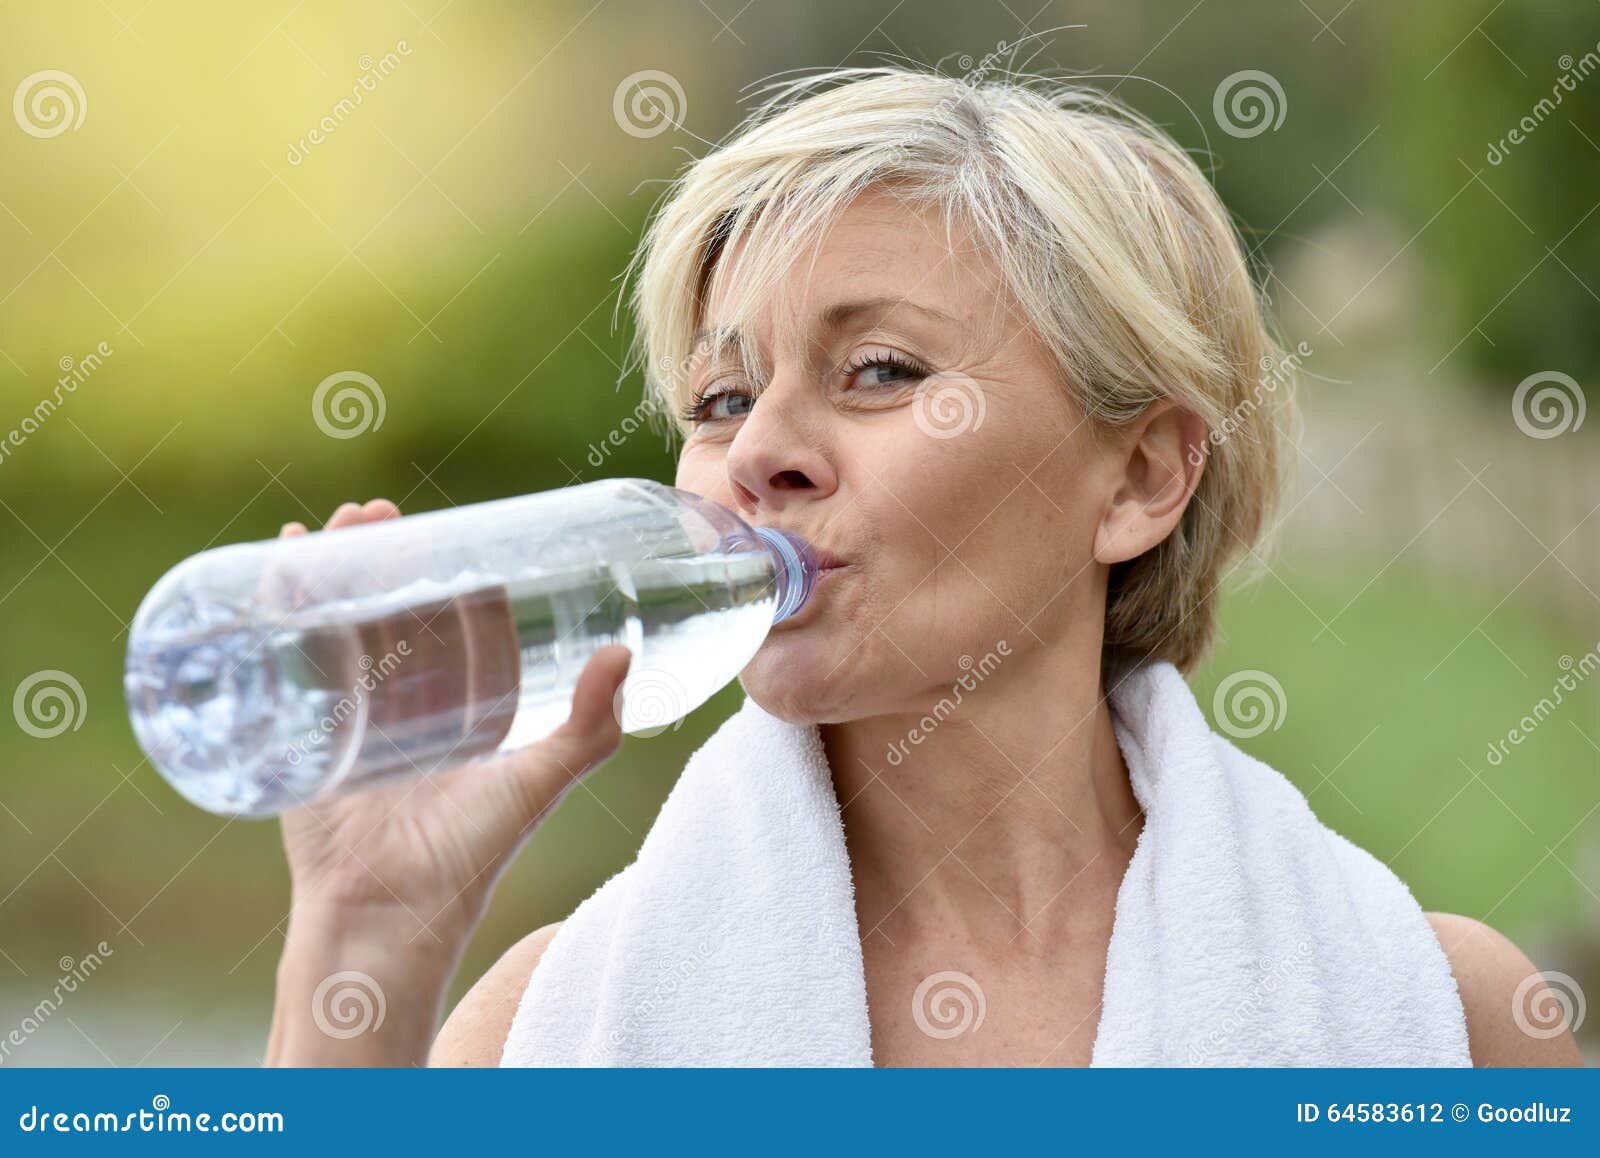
(1246, 932)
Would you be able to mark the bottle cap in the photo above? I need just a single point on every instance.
(796, 570)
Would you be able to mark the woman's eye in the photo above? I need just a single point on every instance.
(724, 405)
(884, 371)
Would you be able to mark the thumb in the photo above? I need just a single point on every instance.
(591, 732)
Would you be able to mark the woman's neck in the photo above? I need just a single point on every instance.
(992, 807)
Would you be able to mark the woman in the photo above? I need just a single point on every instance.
(995, 348)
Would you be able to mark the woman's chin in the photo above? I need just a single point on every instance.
(798, 679)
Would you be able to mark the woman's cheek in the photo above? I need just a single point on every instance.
(694, 468)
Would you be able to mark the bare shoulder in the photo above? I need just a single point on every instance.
(1513, 1017)
(474, 1035)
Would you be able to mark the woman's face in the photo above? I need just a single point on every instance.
(906, 420)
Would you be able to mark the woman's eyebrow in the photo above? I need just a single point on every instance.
(842, 314)
(836, 317)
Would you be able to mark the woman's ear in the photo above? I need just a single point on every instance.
(1164, 454)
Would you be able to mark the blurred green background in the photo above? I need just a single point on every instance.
(458, 237)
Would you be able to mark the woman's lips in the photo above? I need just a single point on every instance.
(829, 567)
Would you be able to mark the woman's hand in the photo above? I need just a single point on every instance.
(389, 883)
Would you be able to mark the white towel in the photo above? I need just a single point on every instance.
(1246, 933)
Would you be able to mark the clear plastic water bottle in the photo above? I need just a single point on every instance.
(263, 675)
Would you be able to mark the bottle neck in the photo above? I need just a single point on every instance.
(794, 570)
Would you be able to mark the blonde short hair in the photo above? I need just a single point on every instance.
(1112, 243)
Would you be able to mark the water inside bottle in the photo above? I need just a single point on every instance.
(258, 719)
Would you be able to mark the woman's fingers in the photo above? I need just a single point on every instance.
(344, 516)
(593, 712)
(587, 739)
(349, 515)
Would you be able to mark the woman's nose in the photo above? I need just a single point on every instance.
(775, 459)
